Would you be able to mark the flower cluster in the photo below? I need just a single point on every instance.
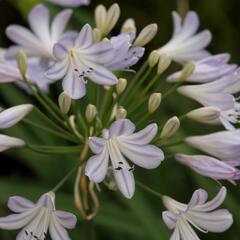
(109, 114)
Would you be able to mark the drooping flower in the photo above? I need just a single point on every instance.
(81, 59)
(36, 219)
(7, 142)
(199, 212)
(70, 3)
(208, 69)
(119, 142)
(40, 41)
(185, 44)
(224, 145)
(210, 167)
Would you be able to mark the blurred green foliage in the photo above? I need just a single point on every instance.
(30, 174)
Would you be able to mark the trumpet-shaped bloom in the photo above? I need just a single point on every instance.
(40, 41)
(208, 69)
(186, 44)
(13, 115)
(199, 212)
(119, 142)
(36, 219)
(81, 59)
(70, 3)
(224, 145)
(210, 167)
(7, 142)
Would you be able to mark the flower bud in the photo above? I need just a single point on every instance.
(112, 17)
(91, 112)
(22, 62)
(208, 115)
(121, 113)
(153, 58)
(129, 26)
(154, 102)
(97, 35)
(64, 102)
(121, 85)
(146, 35)
(170, 128)
(164, 63)
(100, 16)
(187, 71)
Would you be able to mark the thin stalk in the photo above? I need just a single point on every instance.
(172, 89)
(148, 189)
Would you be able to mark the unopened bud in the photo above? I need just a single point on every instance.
(153, 58)
(208, 115)
(121, 113)
(112, 17)
(129, 26)
(121, 85)
(100, 16)
(154, 102)
(97, 35)
(22, 62)
(65, 102)
(170, 128)
(91, 112)
(164, 63)
(187, 71)
(146, 35)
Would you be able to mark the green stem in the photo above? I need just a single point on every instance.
(88, 229)
(148, 189)
(150, 84)
(172, 89)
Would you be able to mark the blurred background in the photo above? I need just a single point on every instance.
(29, 174)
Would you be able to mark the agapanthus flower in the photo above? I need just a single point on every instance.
(208, 69)
(81, 59)
(210, 167)
(186, 44)
(36, 219)
(199, 212)
(40, 41)
(7, 142)
(224, 145)
(119, 142)
(70, 3)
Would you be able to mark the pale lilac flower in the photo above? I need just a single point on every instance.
(186, 44)
(13, 115)
(199, 213)
(40, 41)
(224, 145)
(210, 167)
(119, 142)
(81, 59)
(208, 69)
(7, 142)
(36, 219)
(70, 3)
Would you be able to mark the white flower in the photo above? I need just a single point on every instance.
(41, 40)
(81, 59)
(199, 213)
(117, 142)
(210, 167)
(13, 115)
(185, 44)
(224, 145)
(208, 69)
(7, 142)
(35, 219)
(70, 3)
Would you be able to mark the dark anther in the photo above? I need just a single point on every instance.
(118, 168)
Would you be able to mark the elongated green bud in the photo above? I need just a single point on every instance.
(121, 85)
(121, 113)
(164, 63)
(187, 71)
(65, 102)
(153, 58)
(154, 102)
(22, 62)
(129, 26)
(170, 128)
(91, 112)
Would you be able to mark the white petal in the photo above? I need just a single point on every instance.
(144, 136)
(199, 196)
(7, 142)
(170, 219)
(9, 73)
(97, 166)
(96, 144)
(47, 200)
(19, 204)
(186, 231)
(59, 23)
(176, 234)
(70, 3)
(122, 127)
(13, 115)
(58, 70)
(176, 24)
(66, 219)
(146, 156)
(85, 37)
